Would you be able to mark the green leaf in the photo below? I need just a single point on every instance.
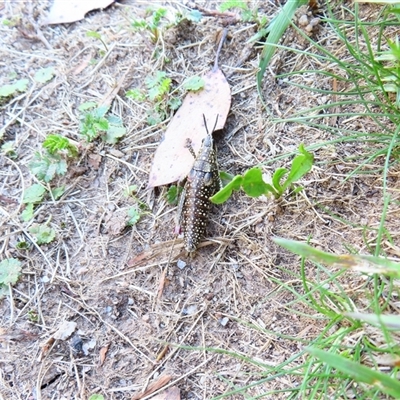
(55, 143)
(44, 75)
(96, 397)
(173, 194)
(226, 192)
(194, 83)
(34, 194)
(27, 214)
(276, 179)
(42, 233)
(253, 183)
(10, 269)
(135, 94)
(229, 4)
(301, 165)
(87, 105)
(174, 103)
(359, 263)
(195, 16)
(391, 322)
(114, 133)
(93, 34)
(134, 216)
(20, 86)
(225, 177)
(358, 372)
(58, 192)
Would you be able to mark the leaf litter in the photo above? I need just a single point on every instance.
(172, 160)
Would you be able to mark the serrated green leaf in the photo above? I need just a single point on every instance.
(195, 16)
(100, 112)
(194, 83)
(134, 216)
(135, 94)
(20, 86)
(114, 133)
(174, 103)
(173, 194)
(54, 143)
(44, 75)
(58, 192)
(226, 192)
(34, 194)
(27, 214)
(42, 233)
(10, 269)
(87, 105)
(253, 183)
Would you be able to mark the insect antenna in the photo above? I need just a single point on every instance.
(205, 124)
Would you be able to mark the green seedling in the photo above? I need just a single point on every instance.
(53, 161)
(95, 123)
(44, 75)
(152, 23)
(96, 35)
(158, 92)
(246, 14)
(10, 269)
(253, 185)
(42, 233)
(194, 83)
(9, 90)
(33, 316)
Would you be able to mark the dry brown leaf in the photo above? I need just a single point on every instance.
(172, 160)
(159, 383)
(73, 10)
(103, 353)
(65, 330)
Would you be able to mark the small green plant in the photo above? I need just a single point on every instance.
(253, 184)
(44, 75)
(42, 233)
(10, 269)
(152, 23)
(96, 397)
(246, 14)
(158, 92)
(136, 211)
(96, 35)
(95, 123)
(20, 85)
(53, 161)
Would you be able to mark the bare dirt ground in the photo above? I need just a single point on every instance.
(106, 279)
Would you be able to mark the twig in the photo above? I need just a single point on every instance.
(221, 43)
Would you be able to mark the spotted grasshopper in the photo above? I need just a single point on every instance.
(202, 182)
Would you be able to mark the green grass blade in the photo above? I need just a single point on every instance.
(359, 372)
(277, 28)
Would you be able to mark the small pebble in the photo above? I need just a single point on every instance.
(303, 20)
(224, 321)
(181, 264)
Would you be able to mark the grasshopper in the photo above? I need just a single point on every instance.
(202, 182)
